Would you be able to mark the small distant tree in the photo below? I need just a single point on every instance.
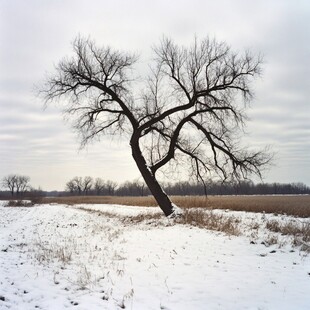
(99, 186)
(102, 187)
(9, 182)
(111, 187)
(87, 184)
(22, 184)
(70, 186)
(79, 185)
(189, 109)
(132, 188)
(16, 184)
(75, 185)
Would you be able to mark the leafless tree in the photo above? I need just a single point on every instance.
(70, 186)
(102, 187)
(16, 183)
(189, 109)
(99, 186)
(75, 185)
(80, 185)
(111, 187)
(87, 184)
(22, 184)
(9, 182)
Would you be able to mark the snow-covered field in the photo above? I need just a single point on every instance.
(59, 257)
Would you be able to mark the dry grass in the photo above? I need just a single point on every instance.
(209, 220)
(300, 231)
(129, 219)
(47, 253)
(19, 203)
(290, 205)
(128, 201)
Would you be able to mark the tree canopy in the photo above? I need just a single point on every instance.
(189, 110)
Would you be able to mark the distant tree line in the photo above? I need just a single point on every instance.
(98, 186)
(18, 186)
(90, 186)
(239, 188)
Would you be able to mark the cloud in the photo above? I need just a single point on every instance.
(35, 35)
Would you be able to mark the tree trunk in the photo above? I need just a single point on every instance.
(160, 196)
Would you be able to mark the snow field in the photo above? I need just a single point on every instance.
(59, 257)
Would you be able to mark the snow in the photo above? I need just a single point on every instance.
(177, 211)
(60, 257)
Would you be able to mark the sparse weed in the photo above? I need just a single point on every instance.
(45, 254)
(195, 217)
(19, 203)
(130, 219)
(227, 224)
(84, 277)
(114, 235)
(291, 227)
(299, 231)
(254, 226)
(151, 217)
(271, 240)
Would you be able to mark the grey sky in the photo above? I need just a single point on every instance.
(35, 35)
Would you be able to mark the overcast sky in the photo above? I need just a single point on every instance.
(35, 35)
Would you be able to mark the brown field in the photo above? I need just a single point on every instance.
(291, 205)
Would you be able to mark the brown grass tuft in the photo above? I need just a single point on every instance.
(210, 220)
(19, 203)
(194, 217)
(300, 231)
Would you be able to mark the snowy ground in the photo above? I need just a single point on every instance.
(59, 257)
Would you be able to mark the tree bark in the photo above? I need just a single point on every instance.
(160, 196)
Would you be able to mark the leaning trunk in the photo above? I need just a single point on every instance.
(160, 196)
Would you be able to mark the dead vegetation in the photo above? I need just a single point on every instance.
(129, 219)
(296, 230)
(300, 231)
(206, 219)
(290, 205)
(128, 201)
(46, 253)
(19, 203)
(227, 224)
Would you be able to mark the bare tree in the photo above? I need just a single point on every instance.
(78, 181)
(9, 182)
(189, 109)
(70, 186)
(99, 186)
(111, 187)
(75, 185)
(16, 183)
(102, 187)
(22, 183)
(87, 184)
(80, 185)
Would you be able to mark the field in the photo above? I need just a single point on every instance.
(290, 205)
(94, 256)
